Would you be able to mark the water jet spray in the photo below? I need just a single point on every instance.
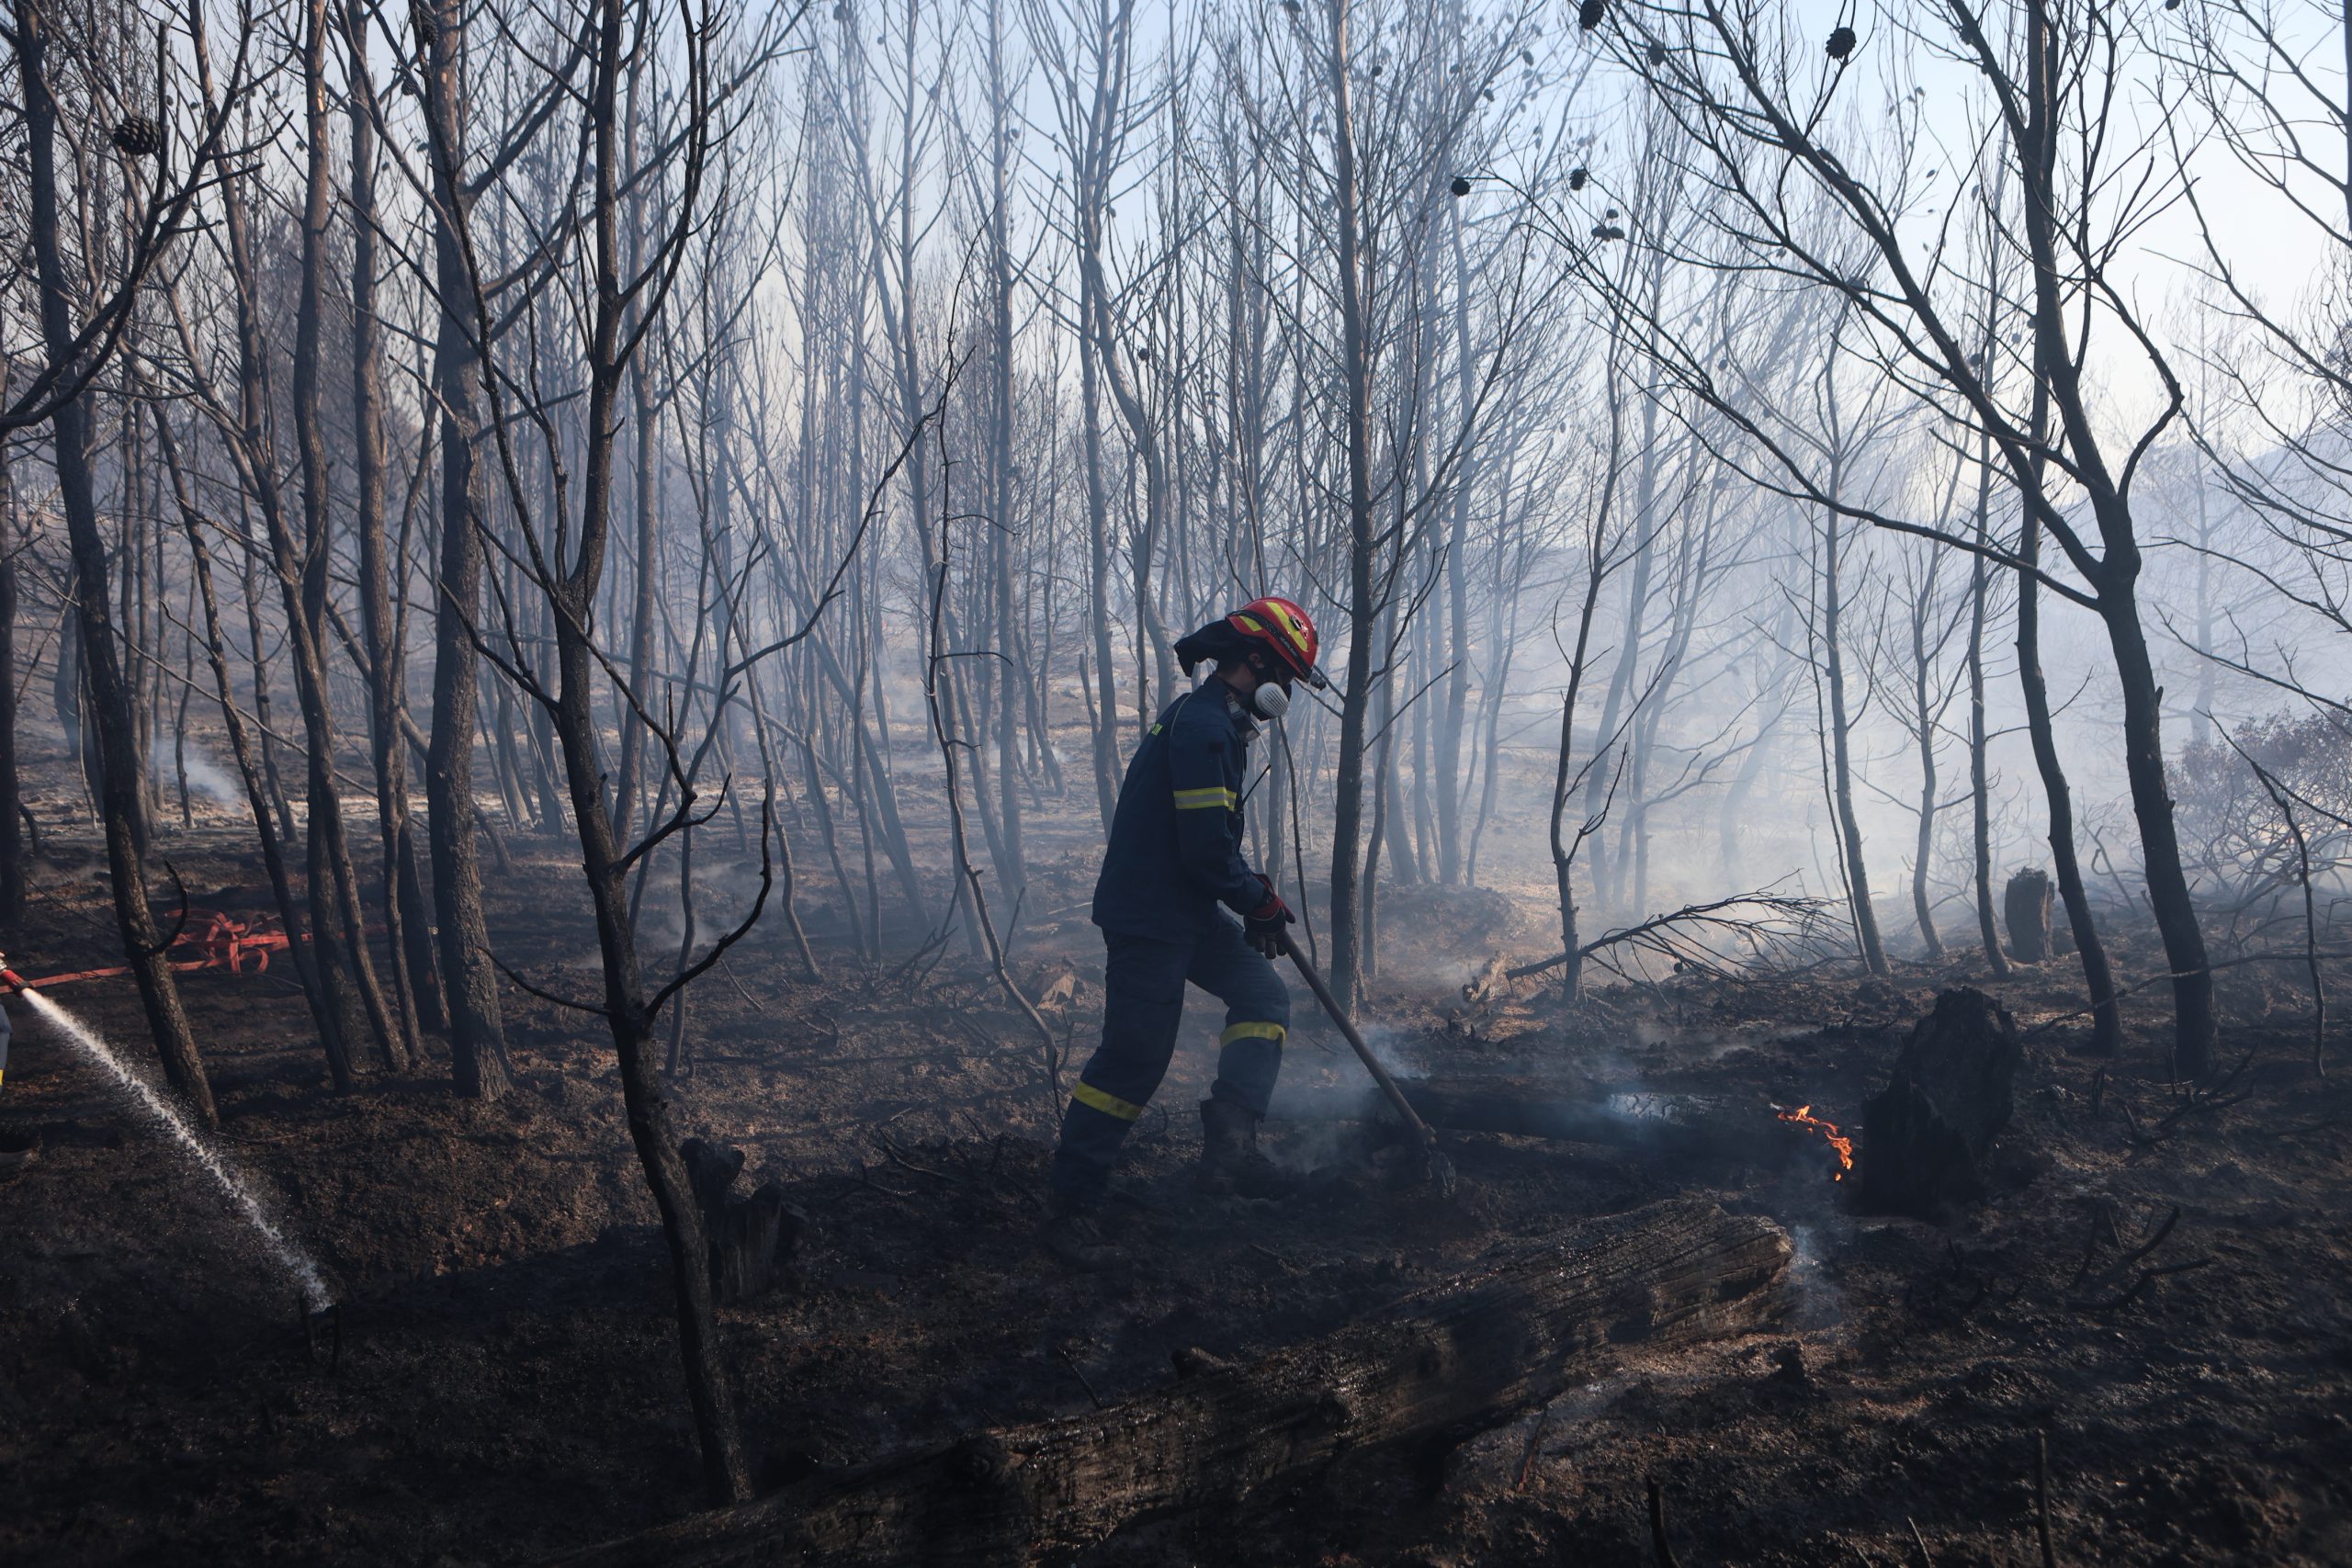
(317, 1298)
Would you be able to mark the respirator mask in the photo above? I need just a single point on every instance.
(1270, 700)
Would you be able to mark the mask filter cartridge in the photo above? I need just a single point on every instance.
(1270, 700)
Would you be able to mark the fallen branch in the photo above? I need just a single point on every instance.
(1657, 934)
(1657, 1527)
(2199, 1101)
(2131, 1292)
(2122, 1266)
(2042, 1498)
(1535, 1442)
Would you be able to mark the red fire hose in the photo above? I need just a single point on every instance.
(209, 940)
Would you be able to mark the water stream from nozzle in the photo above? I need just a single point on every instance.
(295, 1262)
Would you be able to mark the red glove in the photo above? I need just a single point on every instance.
(1262, 927)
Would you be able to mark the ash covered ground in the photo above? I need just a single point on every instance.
(503, 1384)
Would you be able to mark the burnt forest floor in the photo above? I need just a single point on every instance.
(504, 1385)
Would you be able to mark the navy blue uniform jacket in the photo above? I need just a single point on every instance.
(1175, 850)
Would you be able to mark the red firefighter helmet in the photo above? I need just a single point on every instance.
(1285, 630)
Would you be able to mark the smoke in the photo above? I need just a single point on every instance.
(206, 778)
(1690, 1044)
(1310, 1147)
(723, 891)
(1815, 1302)
(1447, 974)
(1387, 1047)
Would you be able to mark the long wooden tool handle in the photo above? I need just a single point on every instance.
(1387, 1085)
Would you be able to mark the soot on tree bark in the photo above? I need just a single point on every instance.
(2026, 907)
(1925, 1136)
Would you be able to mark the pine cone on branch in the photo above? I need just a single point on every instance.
(138, 137)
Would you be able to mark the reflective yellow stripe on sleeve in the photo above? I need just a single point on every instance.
(1108, 1104)
(1274, 1032)
(1216, 797)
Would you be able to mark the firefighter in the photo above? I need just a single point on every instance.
(1174, 857)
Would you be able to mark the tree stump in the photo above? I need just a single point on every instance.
(1925, 1139)
(1469, 1353)
(748, 1237)
(2026, 906)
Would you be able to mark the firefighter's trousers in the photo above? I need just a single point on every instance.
(1143, 1005)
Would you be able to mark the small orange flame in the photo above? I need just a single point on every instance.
(1843, 1147)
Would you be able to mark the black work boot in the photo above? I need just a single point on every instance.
(1074, 1232)
(1230, 1162)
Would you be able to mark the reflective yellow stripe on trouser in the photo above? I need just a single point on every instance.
(1108, 1104)
(1233, 1032)
(1216, 797)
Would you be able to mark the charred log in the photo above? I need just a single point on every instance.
(1925, 1139)
(1459, 1356)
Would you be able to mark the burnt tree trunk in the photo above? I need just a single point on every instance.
(407, 922)
(110, 687)
(477, 1032)
(1457, 1357)
(567, 591)
(2063, 379)
(253, 450)
(1925, 1136)
(65, 693)
(2099, 977)
(273, 852)
(338, 925)
(12, 831)
(257, 782)
(747, 1238)
(1979, 778)
(2025, 905)
(1923, 847)
(1363, 604)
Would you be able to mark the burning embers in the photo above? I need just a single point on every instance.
(1840, 1146)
